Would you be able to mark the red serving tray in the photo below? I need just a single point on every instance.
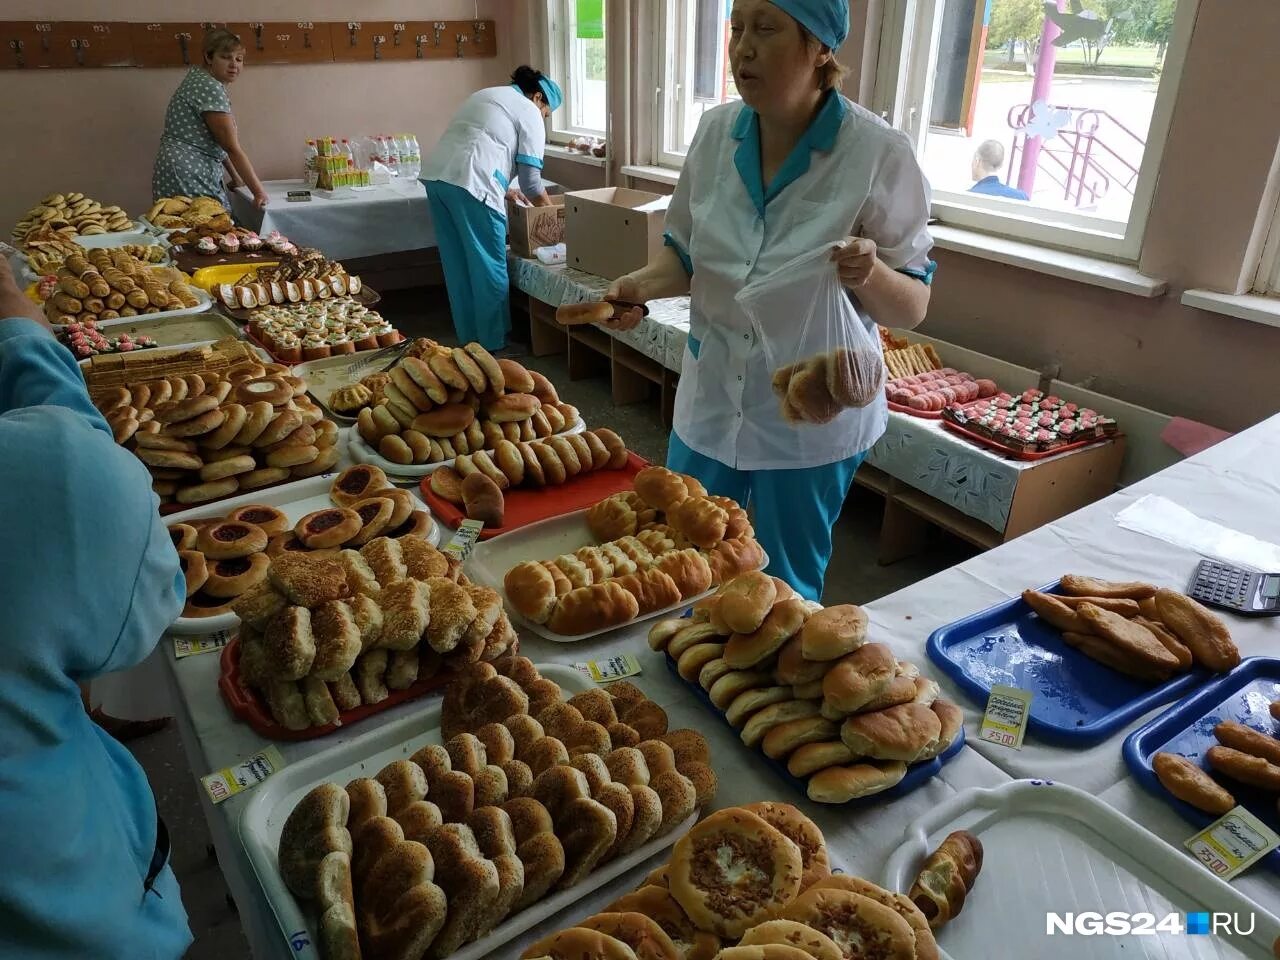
(999, 447)
(529, 505)
(249, 707)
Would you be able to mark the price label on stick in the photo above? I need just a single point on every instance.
(229, 781)
(464, 540)
(1233, 843)
(192, 646)
(1005, 719)
(607, 671)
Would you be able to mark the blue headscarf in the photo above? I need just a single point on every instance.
(828, 20)
(551, 93)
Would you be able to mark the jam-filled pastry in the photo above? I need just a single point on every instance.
(231, 578)
(230, 539)
(330, 527)
(357, 483)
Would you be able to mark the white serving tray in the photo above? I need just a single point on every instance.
(178, 347)
(1051, 847)
(140, 236)
(296, 499)
(324, 377)
(361, 452)
(205, 303)
(264, 815)
(546, 540)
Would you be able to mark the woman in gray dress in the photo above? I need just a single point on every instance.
(200, 141)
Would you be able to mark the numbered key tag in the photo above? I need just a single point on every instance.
(1233, 843)
(607, 671)
(1005, 719)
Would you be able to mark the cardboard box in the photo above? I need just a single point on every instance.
(613, 230)
(534, 227)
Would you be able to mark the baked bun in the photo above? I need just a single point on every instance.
(531, 589)
(745, 600)
(733, 870)
(511, 407)
(543, 388)
(700, 521)
(901, 733)
(482, 499)
(848, 917)
(445, 421)
(784, 620)
(516, 377)
(446, 483)
(833, 632)
(947, 877)
(791, 933)
(577, 943)
(639, 932)
(660, 488)
(597, 607)
(574, 314)
(855, 680)
(926, 945)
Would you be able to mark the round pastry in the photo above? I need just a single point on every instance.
(246, 370)
(330, 527)
(170, 459)
(375, 515)
(568, 455)
(733, 870)
(767, 951)
(393, 449)
(294, 455)
(445, 421)
(447, 484)
(323, 463)
(286, 542)
(283, 424)
(641, 934)
(409, 388)
(230, 467)
(471, 371)
(418, 444)
(183, 536)
(265, 477)
(745, 601)
(197, 426)
(790, 933)
(784, 620)
(194, 568)
(428, 382)
(230, 578)
(833, 632)
(543, 388)
(600, 455)
(235, 416)
(511, 407)
(123, 428)
(229, 539)
(349, 399)
(214, 490)
(577, 943)
(187, 409)
(801, 831)
(156, 441)
(848, 917)
(659, 487)
(200, 604)
(258, 416)
(516, 378)
(926, 946)
(270, 520)
(273, 390)
(357, 483)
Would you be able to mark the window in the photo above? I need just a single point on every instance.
(1044, 128)
(577, 47)
(694, 74)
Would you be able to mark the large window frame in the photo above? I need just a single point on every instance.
(567, 67)
(675, 29)
(904, 85)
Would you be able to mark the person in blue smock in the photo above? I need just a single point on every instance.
(88, 585)
(792, 168)
(987, 161)
(499, 135)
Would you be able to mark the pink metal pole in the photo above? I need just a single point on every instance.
(1041, 87)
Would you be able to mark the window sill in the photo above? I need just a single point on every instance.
(557, 152)
(655, 174)
(1246, 306)
(1080, 267)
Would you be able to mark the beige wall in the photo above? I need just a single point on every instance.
(96, 131)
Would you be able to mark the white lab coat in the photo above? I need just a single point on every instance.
(493, 130)
(851, 174)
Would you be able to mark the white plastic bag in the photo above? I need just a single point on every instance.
(822, 358)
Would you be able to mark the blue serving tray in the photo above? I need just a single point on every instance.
(1076, 700)
(917, 773)
(1243, 695)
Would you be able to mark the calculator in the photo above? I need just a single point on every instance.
(1238, 589)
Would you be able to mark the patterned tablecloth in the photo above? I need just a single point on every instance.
(922, 453)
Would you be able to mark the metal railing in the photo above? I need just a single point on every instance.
(1084, 164)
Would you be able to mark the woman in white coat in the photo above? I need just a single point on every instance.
(793, 167)
(497, 136)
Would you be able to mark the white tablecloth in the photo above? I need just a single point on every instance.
(384, 219)
(1235, 483)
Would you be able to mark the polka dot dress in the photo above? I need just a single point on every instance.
(189, 162)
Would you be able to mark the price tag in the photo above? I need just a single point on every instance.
(193, 646)
(297, 196)
(464, 540)
(1233, 843)
(1005, 720)
(229, 781)
(607, 671)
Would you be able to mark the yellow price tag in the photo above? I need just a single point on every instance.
(229, 781)
(1233, 843)
(607, 671)
(464, 540)
(193, 646)
(1005, 719)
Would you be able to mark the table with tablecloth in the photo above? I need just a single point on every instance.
(389, 218)
(1234, 484)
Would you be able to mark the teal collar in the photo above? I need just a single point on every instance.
(821, 135)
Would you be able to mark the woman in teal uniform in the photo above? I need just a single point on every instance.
(200, 143)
